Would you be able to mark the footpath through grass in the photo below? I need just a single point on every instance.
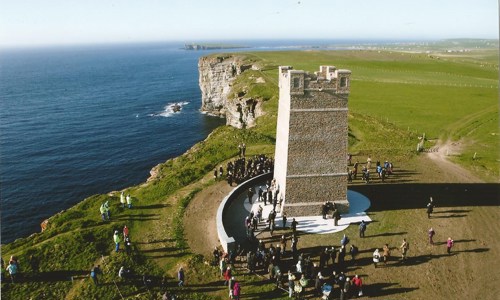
(395, 98)
(444, 96)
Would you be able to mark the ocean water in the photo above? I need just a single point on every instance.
(77, 121)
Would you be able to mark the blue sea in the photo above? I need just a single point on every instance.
(82, 120)
(77, 121)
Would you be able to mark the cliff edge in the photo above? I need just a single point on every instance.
(220, 97)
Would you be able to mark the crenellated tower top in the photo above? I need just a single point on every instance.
(328, 78)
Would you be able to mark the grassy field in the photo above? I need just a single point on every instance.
(444, 97)
(395, 98)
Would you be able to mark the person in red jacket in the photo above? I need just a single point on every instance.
(449, 244)
(431, 235)
(227, 275)
(125, 232)
(358, 284)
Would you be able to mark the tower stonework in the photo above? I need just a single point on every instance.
(311, 139)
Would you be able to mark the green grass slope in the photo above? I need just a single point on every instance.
(442, 95)
(395, 97)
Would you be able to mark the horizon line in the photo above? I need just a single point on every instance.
(223, 41)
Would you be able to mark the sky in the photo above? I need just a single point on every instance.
(54, 22)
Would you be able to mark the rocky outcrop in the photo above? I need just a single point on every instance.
(219, 98)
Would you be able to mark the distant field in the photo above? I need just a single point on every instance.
(444, 95)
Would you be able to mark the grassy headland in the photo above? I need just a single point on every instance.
(395, 97)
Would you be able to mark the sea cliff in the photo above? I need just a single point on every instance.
(221, 96)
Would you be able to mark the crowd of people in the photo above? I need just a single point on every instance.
(382, 171)
(105, 209)
(294, 271)
(290, 268)
(237, 171)
(266, 195)
(125, 237)
(242, 168)
(226, 263)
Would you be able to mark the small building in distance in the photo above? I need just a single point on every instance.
(311, 139)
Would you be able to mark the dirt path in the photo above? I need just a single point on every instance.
(450, 170)
(463, 214)
(199, 219)
(200, 224)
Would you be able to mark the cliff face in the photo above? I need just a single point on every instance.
(217, 74)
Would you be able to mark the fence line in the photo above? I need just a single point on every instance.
(116, 285)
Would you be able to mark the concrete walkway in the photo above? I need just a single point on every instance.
(241, 207)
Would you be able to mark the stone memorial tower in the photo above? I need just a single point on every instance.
(311, 139)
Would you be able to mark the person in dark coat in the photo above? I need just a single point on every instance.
(318, 283)
(294, 225)
(128, 245)
(341, 257)
(180, 276)
(336, 217)
(295, 240)
(323, 258)
(346, 290)
(430, 208)
(324, 210)
(354, 252)
(362, 229)
(333, 255)
(250, 194)
(94, 272)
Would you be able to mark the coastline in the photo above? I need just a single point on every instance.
(90, 133)
(154, 174)
(155, 219)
